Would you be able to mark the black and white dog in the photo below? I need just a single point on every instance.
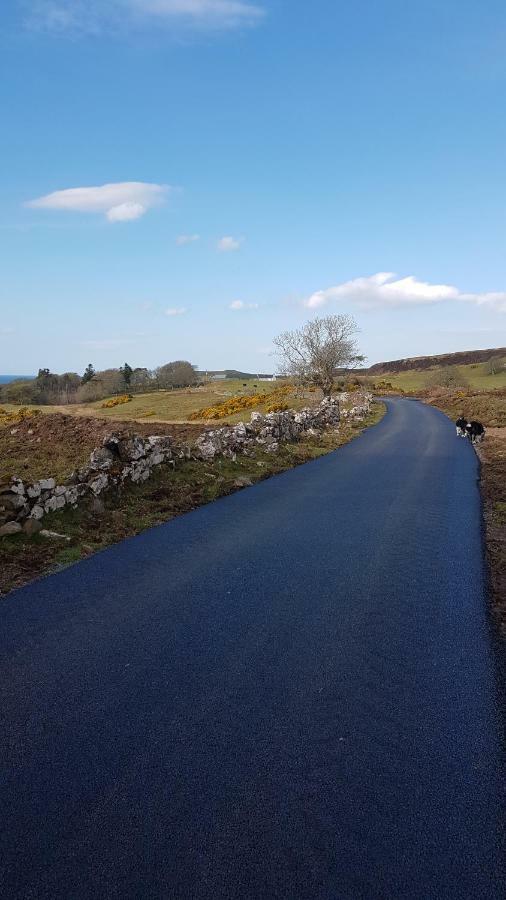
(475, 432)
(461, 426)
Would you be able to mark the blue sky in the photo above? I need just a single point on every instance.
(263, 162)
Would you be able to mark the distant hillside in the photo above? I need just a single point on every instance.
(464, 358)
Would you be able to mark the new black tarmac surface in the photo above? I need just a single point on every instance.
(289, 693)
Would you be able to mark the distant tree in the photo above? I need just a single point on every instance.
(141, 380)
(312, 354)
(89, 372)
(127, 373)
(494, 365)
(103, 384)
(179, 373)
(447, 377)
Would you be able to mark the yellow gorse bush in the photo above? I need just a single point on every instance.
(14, 418)
(238, 404)
(116, 401)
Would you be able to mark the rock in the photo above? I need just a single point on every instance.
(33, 490)
(10, 528)
(37, 512)
(102, 458)
(242, 482)
(53, 535)
(17, 486)
(131, 449)
(60, 489)
(47, 484)
(54, 503)
(31, 526)
(73, 494)
(98, 484)
(12, 501)
(14, 430)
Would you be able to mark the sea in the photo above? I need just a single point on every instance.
(4, 379)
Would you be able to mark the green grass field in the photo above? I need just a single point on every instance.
(475, 375)
(173, 406)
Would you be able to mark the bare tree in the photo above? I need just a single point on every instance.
(313, 354)
(494, 365)
(449, 377)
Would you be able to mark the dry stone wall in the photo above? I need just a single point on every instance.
(123, 459)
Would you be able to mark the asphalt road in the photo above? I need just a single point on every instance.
(289, 693)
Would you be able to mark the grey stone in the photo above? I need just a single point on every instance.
(53, 535)
(99, 484)
(54, 503)
(10, 528)
(47, 484)
(102, 458)
(242, 482)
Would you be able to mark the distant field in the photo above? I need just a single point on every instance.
(475, 375)
(171, 406)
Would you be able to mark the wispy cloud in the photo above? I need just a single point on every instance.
(97, 17)
(228, 244)
(6, 331)
(176, 311)
(237, 305)
(385, 290)
(184, 239)
(120, 202)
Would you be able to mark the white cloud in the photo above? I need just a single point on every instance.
(239, 304)
(385, 290)
(228, 244)
(176, 311)
(120, 202)
(183, 239)
(96, 17)
(495, 300)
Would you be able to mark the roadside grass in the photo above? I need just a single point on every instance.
(490, 409)
(168, 493)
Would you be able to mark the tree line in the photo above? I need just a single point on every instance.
(48, 388)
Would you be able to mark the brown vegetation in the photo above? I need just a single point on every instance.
(465, 357)
(38, 446)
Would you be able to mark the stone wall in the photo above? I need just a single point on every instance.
(124, 459)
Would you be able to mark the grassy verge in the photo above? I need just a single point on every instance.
(491, 410)
(167, 494)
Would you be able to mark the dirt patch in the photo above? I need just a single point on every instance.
(54, 445)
